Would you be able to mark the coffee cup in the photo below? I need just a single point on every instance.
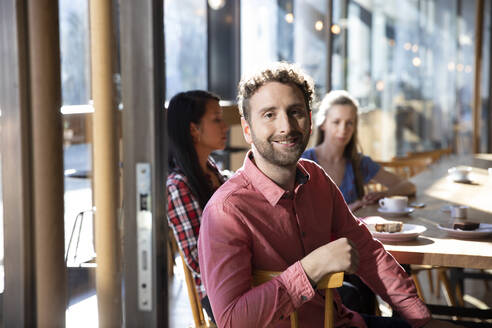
(460, 173)
(458, 212)
(394, 203)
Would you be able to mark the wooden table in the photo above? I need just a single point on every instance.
(434, 247)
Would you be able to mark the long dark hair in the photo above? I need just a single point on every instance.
(351, 151)
(185, 108)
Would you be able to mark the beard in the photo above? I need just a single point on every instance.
(281, 158)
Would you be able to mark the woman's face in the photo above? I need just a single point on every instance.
(340, 124)
(211, 133)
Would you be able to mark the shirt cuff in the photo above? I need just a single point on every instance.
(297, 284)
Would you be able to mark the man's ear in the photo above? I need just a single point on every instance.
(246, 131)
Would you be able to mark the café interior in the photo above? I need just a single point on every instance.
(84, 87)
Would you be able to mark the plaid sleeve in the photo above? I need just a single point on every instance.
(183, 215)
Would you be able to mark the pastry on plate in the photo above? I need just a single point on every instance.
(389, 226)
(465, 225)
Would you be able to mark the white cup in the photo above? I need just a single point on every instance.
(458, 212)
(394, 203)
(460, 173)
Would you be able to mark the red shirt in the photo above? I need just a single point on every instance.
(252, 223)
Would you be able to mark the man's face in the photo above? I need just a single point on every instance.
(280, 124)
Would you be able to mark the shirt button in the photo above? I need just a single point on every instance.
(303, 298)
(303, 234)
(281, 316)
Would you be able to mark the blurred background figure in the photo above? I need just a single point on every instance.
(195, 129)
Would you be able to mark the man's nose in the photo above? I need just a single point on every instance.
(284, 123)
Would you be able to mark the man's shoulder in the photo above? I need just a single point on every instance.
(234, 186)
(310, 166)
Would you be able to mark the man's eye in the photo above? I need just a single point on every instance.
(268, 115)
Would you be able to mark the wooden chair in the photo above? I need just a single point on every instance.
(406, 167)
(195, 303)
(401, 166)
(172, 250)
(435, 155)
(327, 283)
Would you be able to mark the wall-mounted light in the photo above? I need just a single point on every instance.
(318, 25)
(415, 48)
(216, 4)
(407, 46)
(289, 18)
(468, 68)
(335, 29)
(460, 67)
(380, 85)
(416, 61)
(451, 66)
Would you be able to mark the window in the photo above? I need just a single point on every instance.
(185, 30)
(410, 65)
(291, 30)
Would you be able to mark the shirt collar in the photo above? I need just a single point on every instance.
(264, 185)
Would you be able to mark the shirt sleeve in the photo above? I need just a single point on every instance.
(369, 168)
(225, 261)
(183, 215)
(378, 269)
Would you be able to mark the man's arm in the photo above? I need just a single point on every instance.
(225, 261)
(378, 269)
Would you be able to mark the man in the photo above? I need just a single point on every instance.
(279, 213)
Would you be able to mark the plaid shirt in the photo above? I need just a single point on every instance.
(184, 215)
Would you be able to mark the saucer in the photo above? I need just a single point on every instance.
(408, 232)
(483, 231)
(405, 211)
(467, 181)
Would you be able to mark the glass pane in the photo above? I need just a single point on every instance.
(486, 114)
(79, 235)
(185, 30)
(289, 30)
(414, 81)
(2, 269)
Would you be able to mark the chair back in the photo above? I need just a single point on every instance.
(406, 167)
(327, 283)
(195, 303)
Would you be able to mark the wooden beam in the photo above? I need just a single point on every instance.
(47, 162)
(106, 191)
(477, 103)
(19, 306)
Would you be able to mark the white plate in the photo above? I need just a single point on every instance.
(406, 211)
(484, 230)
(408, 232)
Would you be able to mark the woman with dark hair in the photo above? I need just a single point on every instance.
(195, 129)
(337, 152)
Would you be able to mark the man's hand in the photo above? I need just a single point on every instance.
(440, 324)
(339, 255)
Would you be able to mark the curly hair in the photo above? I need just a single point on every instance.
(275, 72)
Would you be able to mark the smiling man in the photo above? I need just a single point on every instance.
(280, 213)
